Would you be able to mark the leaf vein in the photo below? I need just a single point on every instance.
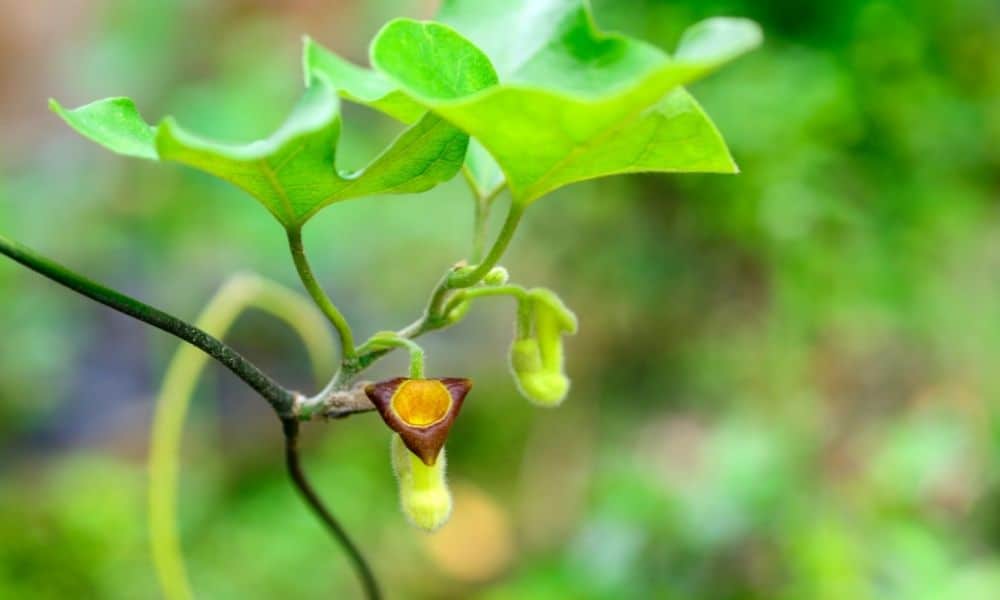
(279, 189)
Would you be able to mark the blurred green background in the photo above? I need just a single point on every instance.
(785, 384)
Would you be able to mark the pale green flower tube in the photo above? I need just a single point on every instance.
(423, 491)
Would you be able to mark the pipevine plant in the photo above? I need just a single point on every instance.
(526, 96)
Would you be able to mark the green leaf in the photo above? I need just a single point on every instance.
(433, 59)
(292, 172)
(114, 123)
(371, 88)
(359, 85)
(573, 103)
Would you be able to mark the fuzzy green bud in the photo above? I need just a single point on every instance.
(423, 491)
(536, 360)
(497, 276)
(542, 385)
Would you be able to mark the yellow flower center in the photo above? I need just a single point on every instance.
(421, 402)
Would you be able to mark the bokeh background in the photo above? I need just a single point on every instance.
(785, 383)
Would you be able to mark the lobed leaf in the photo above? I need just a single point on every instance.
(293, 172)
(581, 105)
(470, 71)
(571, 102)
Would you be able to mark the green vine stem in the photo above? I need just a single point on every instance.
(329, 401)
(385, 340)
(481, 220)
(238, 294)
(434, 316)
(319, 296)
(481, 214)
(514, 291)
(464, 278)
(281, 399)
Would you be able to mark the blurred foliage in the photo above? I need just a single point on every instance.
(784, 382)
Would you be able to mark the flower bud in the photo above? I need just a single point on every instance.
(537, 361)
(423, 492)
(497, 276)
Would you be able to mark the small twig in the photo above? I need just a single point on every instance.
(339, 404)
(361, 567)
(281, 399)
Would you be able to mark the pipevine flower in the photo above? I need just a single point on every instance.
(421, 412)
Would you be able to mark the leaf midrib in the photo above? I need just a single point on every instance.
(278, 188)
